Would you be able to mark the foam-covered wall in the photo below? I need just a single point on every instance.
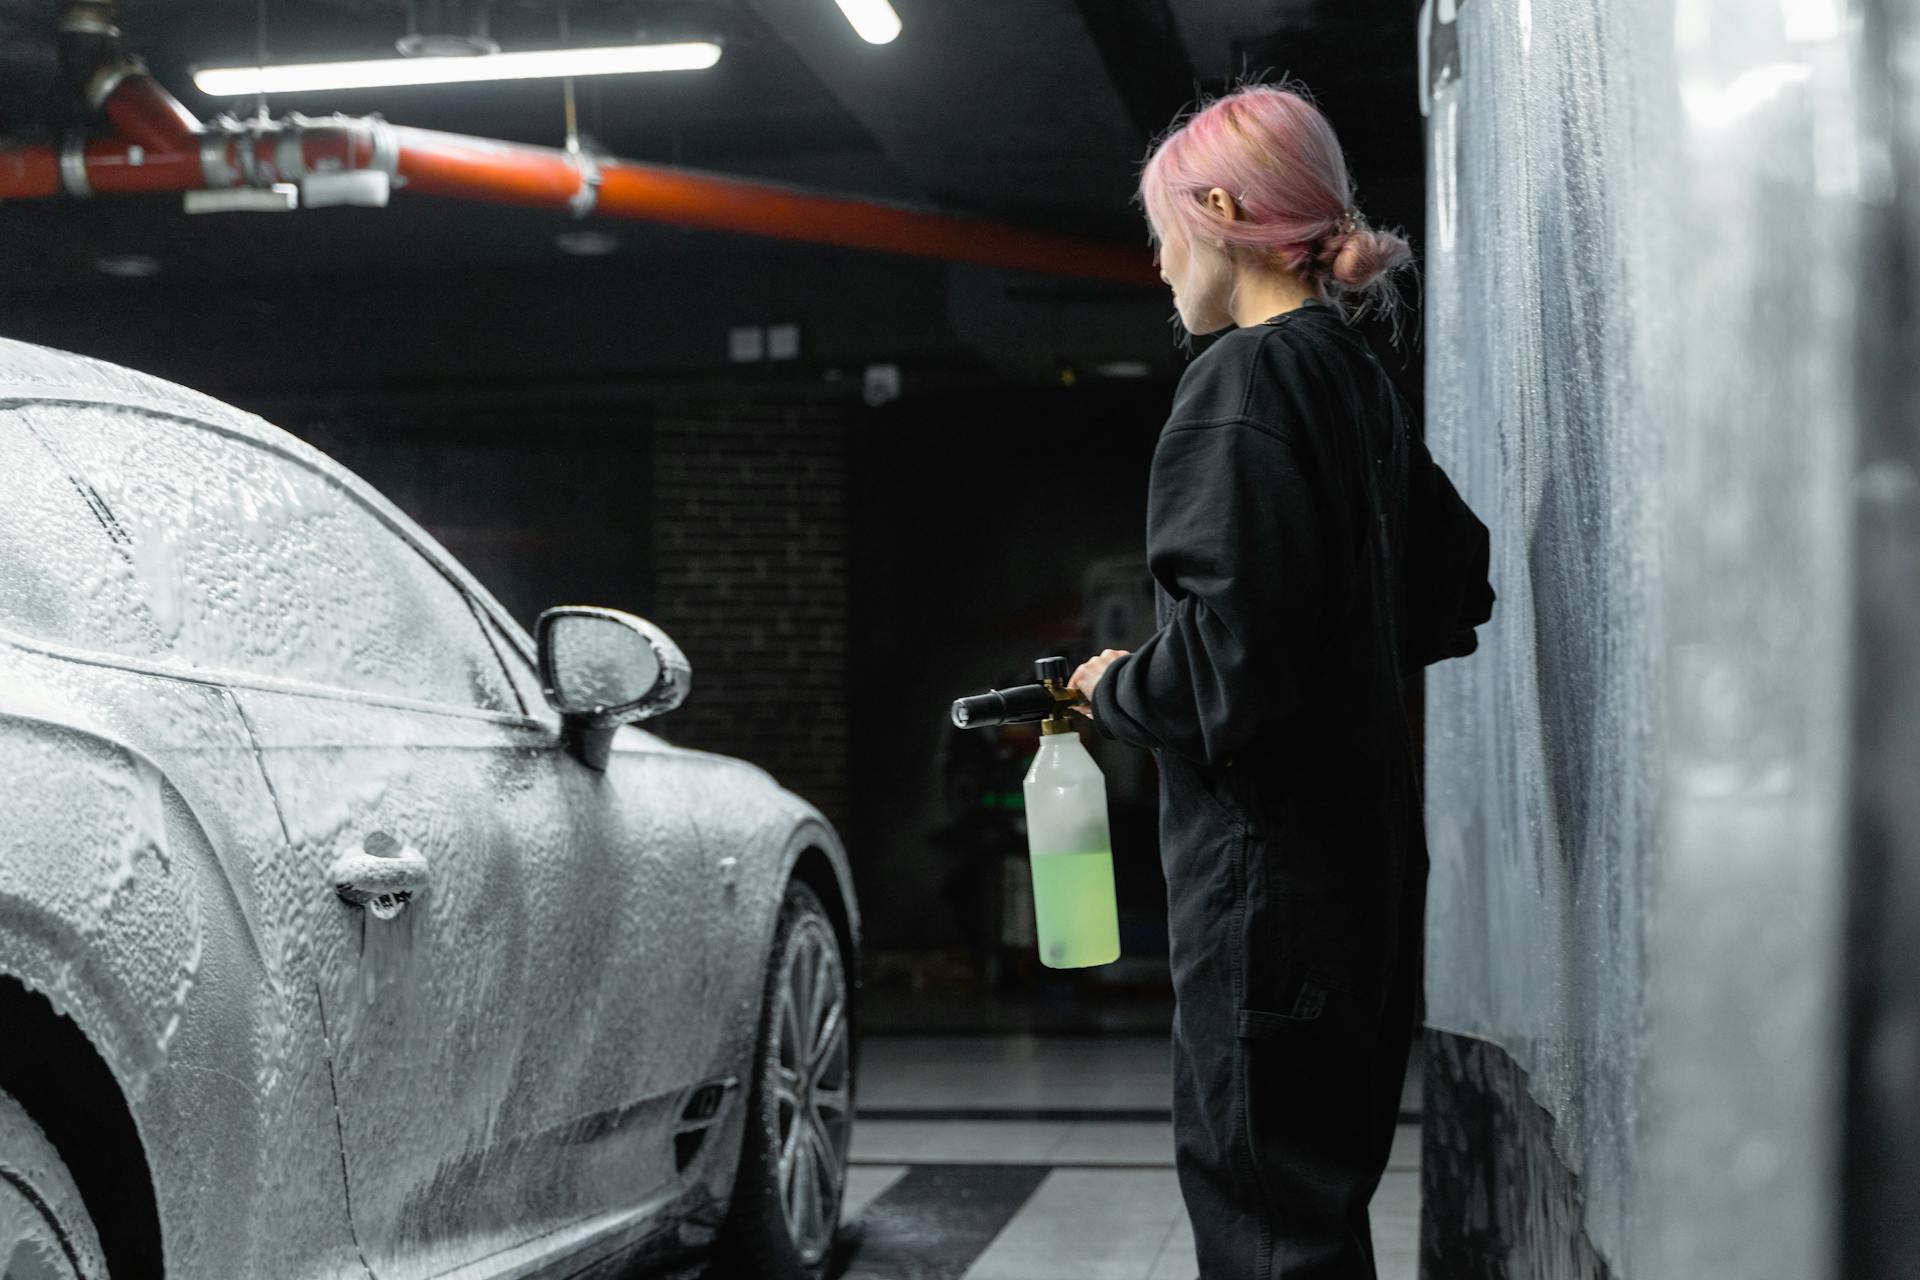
(1640, 284)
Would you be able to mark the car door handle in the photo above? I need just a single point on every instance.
(380, 874)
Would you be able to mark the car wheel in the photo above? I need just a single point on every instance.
(45, 1231)
(785, 1208)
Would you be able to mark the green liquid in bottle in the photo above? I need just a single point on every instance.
(1073, 908)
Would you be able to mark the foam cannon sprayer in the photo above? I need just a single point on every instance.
(1068, 845)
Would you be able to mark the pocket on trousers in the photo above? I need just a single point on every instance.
(1309, 1003)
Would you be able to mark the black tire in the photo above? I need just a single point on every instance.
(773, 1230)
(45, 1231)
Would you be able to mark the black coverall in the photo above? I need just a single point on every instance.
(1308, 557)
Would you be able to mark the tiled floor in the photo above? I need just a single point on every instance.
(1025, 1157)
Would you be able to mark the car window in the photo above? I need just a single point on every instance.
(66, 567)
(525, 679)
(250, 561)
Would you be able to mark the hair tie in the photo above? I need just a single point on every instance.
(1348, 222)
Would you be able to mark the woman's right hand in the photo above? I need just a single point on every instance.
(1088, 674)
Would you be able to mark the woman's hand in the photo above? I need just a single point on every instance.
(1088, 675)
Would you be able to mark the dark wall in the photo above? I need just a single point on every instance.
(719, 516)
(749, 528)
(546, 503)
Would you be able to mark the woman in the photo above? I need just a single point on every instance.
(1308, 556)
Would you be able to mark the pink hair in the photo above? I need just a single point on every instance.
(1275, 153)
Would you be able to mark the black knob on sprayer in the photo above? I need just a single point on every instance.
(1054, 669)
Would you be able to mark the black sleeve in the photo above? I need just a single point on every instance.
(1448, 592)
(1235, 533)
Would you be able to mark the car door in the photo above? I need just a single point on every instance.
(508, 1044)
(627, 909)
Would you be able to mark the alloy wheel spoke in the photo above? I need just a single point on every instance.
(789, 1147)
(818, 1180)
(824, 1053)
(826, 1166)
(789, 1029)
(831, 1100)
(821, 993)
(802, 998)
(808, 1205)
(793, 1188)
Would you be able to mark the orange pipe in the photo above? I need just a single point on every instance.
(452, 165)
(143, 112)
(662, 194)
(448, 164)
(28, 173)
(111, 169)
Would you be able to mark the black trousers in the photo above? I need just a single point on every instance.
(1297, 963)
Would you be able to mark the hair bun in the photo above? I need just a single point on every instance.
(1363, 255)
(1352, 257)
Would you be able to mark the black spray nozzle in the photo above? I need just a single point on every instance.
(1022, 704)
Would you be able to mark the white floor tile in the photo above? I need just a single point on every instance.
(957, 1141)
(1116, 1142)
(1406, 1148)
(1126, 1071)
(1086, 1224)
(865, 1184)
(1395, 1217)
(1177, 1260)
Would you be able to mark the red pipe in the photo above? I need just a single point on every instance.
(662, 194)
(449, 164)
(123, 168)
(28, 173)
(144, 112)
(445, 164)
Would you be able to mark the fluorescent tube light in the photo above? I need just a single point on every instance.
(874, 20)
(380, 73)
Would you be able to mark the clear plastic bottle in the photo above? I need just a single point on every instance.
(1072, 855)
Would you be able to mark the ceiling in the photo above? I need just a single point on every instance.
(1033, 112)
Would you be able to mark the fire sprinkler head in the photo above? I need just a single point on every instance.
(445, 44)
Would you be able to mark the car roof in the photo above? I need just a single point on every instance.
(30, 372)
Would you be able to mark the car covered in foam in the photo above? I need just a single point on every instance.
(348, 930)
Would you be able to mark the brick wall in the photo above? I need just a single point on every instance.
(749, 515)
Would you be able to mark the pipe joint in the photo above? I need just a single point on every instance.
(216, 165)
(581, 202)
(73, 166)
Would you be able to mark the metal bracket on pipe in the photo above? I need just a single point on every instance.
(215, 169)
(289, 154)
(582, 201)
(73, 166)
(108, 78)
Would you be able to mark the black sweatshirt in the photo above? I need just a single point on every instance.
(1307, 555)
